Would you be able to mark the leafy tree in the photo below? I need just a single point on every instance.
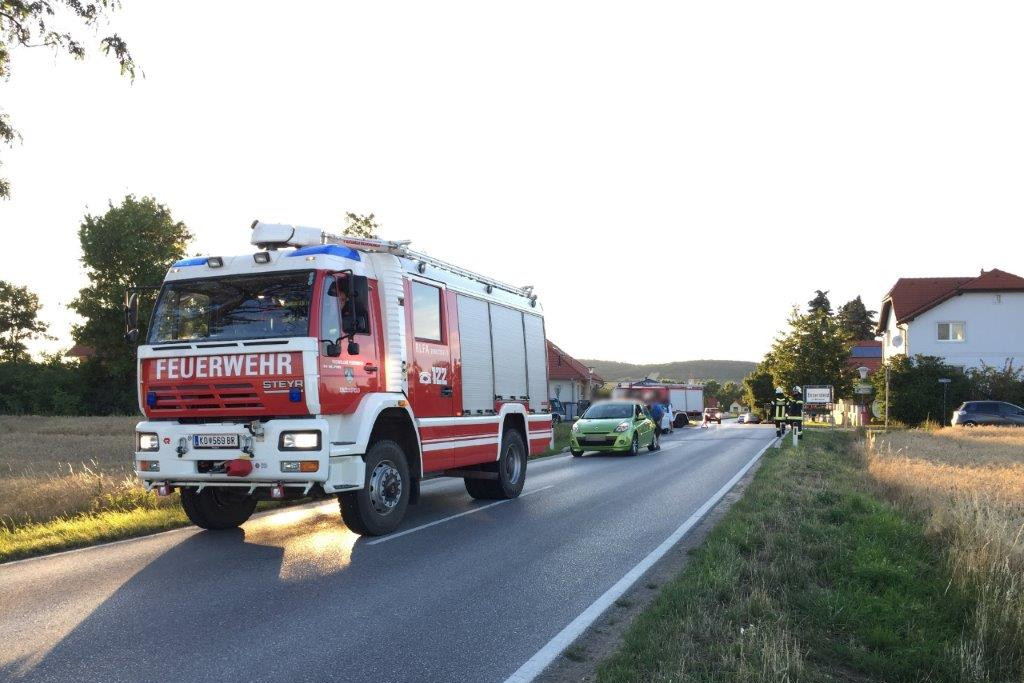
(856, 321)
(915, 394)
(19, 321)
(995, 384)
(730, 391)
(813, 351)
(361, 225)
(820, 303)
(759, 389)
(131, 245)
(30, 23)
(712, 389)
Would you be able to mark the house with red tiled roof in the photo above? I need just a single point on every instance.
(569, 380)
(969, 321)
(866, 353)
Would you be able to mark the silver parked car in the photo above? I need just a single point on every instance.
(999, 413)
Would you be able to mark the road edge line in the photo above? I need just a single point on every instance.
(543, 658)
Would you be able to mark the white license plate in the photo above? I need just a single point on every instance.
(215, 440)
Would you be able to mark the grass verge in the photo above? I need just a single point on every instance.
(562, 430)
(810, 577)
(84, 530)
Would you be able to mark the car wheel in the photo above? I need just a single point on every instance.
(379, 506)
(576, 454)
(634, 446)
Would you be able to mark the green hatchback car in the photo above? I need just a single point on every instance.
(614, 427)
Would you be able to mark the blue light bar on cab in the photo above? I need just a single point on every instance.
(330, 250)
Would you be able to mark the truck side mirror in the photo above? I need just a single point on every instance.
(333, 349)
(359, 304)
(131, 318)
(353, 348)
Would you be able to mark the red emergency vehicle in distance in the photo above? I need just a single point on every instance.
(333, 366)
(687, 400)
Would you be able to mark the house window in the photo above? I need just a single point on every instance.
(999, 298)
(426, 312)
(951, 332)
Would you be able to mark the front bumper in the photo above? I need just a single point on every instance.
(178, 462)
(612, 442)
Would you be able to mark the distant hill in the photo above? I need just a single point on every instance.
(721, 370)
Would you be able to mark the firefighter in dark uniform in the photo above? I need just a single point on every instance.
(795, 412)
(779, 411)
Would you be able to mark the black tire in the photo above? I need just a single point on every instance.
(655, 444)
(378, 508)
(217, 508)
(634, 447)
(681, 421)
(511, 469)
(576, 454)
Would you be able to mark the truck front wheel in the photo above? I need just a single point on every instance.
(511, 469)
(217, 508)
(378, 508)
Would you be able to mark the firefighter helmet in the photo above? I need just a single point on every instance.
(779, 391)
(797, 390)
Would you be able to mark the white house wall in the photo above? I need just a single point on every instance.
(891, 330)
(993, 331)
(570, 390)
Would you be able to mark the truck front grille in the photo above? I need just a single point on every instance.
(222, 396)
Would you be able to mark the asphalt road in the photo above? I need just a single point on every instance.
(295, 596)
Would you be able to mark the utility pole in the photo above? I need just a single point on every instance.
(887, 397)
(944, 381)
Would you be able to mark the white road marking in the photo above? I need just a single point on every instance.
(564, 638)
(385, 539)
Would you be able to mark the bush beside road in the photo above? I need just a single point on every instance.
(813, 575)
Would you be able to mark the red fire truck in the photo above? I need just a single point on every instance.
(333, 366)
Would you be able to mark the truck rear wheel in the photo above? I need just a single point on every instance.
(378, 508)
(681, 421)
(217, 508)
(511, 468)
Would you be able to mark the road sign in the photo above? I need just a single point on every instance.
(863, 388)
(818, 394)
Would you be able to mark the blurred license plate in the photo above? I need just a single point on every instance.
(215, 440)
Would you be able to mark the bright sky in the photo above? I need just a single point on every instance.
(671, 177)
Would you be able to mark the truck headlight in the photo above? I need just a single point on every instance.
(299, 441)
(146, 441)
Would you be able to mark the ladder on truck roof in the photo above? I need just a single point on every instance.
(401, 248)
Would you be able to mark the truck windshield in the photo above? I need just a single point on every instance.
(607, 411)
(232, 308)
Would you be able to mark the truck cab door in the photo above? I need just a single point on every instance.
(345, 378)
(430, 369)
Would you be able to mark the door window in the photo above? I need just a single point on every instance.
(1009, 409)
(330, 316)
(426, 311)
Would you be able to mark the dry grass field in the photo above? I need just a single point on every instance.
(968, 485)
(52, 467)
